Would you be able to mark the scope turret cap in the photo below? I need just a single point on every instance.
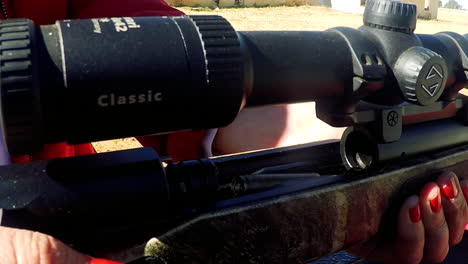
(390, 15)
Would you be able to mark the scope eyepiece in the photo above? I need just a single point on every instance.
(94, 79)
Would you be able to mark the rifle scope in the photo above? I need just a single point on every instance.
(95, 79)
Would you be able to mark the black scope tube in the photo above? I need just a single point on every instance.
(359, 149)
(83, 200)
(102, 200)
(296, 66)
(98, 79)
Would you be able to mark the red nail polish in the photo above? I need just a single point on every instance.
(102, 261)
(450, 189)
(435, 203)
(415, 214)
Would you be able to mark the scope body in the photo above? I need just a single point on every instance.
(95, 79)
(89, 80)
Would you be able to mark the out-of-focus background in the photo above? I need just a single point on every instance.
(315, 15)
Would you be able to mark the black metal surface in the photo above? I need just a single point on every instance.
(20, 85)
(318, 155)
(197, 73)
(91, 202)
(109, 199)
(416, 139)
(390, 15)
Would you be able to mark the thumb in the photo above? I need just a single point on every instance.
(27, 247)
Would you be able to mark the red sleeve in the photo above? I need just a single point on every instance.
(56, 150)
(48, 11)
(42, 12)
(185, 145)
(109, 8)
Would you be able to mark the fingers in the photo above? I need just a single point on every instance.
(455, 207)
(429, 224)
(409, 246)
(436, 230)
(442, 219)
(22, 246)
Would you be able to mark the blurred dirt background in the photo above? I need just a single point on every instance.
(300, 18)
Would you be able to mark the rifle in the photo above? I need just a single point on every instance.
(397, 92)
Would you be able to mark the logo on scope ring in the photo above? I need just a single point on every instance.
(433, 81)
(392, 118)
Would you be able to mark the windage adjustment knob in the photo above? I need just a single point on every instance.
(421, 75)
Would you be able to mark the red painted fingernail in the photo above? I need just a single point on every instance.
(450, 189)
(102, 261)
(435, 203)
(415, 214)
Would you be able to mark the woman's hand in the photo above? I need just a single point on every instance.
(428, 225)
(26, 247)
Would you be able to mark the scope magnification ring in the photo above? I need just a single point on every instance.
(18, 82)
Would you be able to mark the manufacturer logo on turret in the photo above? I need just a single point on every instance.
(433, 81)
(112, 99)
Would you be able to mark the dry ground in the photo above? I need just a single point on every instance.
(321, 18)
(301, 18)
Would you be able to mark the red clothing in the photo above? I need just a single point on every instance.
(185, 145)
(48, 11)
